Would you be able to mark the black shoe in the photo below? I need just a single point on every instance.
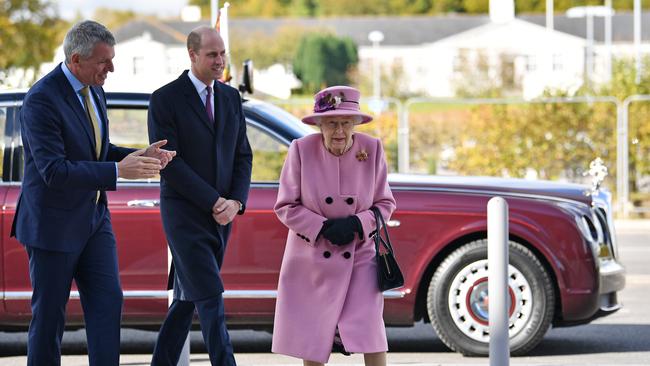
(337, 346)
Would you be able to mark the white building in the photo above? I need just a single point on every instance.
(537, 57)
(429, 50)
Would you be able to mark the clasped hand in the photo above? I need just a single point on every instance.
(224, 211)
(145, 163)
(341, 231)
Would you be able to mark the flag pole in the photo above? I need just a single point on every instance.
(637, 40)
(224, 26)
(214, 12)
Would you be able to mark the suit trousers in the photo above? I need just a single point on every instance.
(177, 326)
(95, 271)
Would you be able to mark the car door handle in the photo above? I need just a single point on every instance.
(393, 223)
(143, 203)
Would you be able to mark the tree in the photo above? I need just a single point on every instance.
(247, 8)
(301, 8)
(29, 34)
(445, 6)
(323, 60)
(476, 6)
(113, 19)
(204, 5)
(622, 85)
(351, 8)
(267, 49)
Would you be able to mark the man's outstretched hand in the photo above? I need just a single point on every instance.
(137, 166)
(154, 151)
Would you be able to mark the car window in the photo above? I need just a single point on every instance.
(11, 150)
(128, 127)
(268, 155)
(4, 140)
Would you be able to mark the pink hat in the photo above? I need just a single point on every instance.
(336, 101)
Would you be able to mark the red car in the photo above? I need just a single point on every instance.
(564, 268)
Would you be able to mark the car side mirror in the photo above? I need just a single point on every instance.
(246, 85)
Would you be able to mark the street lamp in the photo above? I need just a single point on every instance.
(590, 12)
(375, 37)
(637, 40)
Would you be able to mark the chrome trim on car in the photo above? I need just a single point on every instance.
(141, 294)
(453, 190)
(269, 131)
(16, 295)
(127, 103)
(612, 276)
(484, 193)
(393, 223)
(27, 295)
(143, 203)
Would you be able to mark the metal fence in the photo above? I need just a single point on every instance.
(634, 131)
(615, 129)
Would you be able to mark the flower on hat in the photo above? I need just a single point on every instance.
(327, 102)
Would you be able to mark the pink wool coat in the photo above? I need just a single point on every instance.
(321, 285)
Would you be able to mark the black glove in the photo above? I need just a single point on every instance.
(326, 225)
(341, 231)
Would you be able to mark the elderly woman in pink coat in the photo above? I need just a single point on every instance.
(328, 292)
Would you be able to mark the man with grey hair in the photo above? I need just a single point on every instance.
(62, 217)
(201, 193)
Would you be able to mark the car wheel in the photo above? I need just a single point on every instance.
(457, 300)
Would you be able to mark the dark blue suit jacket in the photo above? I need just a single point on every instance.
(212, 161)
(62, 173)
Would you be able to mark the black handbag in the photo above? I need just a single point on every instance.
(389, 275)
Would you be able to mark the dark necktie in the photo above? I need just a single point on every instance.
(208, 104)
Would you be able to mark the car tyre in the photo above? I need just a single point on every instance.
(457, 300)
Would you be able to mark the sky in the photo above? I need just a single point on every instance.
(164, 8)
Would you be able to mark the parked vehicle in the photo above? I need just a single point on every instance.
(564, 268)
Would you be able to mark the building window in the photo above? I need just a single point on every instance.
(461, 60)
(557, 62)
(138, 65)
(531, 63)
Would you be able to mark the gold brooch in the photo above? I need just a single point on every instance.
(362, 155)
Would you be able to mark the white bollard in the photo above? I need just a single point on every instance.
(184, 360)
(497, 219)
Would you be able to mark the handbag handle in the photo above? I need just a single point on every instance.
(379, 221)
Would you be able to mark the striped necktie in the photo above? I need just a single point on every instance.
(92, 117)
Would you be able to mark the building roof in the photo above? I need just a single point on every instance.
(622, 26)
(159, 31)
(514, 35)
(398, 31)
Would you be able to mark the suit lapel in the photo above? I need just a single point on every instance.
(193, 99)
(219, 101)
(73, 101)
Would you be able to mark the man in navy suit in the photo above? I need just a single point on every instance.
(62, 217)
(201, 192)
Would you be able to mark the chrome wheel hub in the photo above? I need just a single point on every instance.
(468, 301)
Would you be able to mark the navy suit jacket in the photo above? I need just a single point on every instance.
(213, 160)
(62, 173)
